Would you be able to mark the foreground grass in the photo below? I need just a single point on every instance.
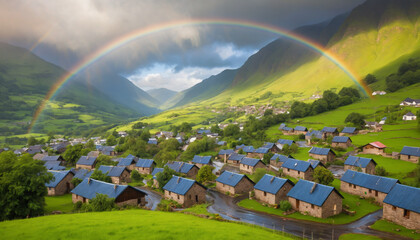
(351, 236)
(200, 209)
(128, 225)
(386, 226)
(59, 203)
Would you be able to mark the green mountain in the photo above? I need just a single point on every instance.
(161, 95)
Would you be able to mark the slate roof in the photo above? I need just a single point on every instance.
(250, 161)
(412, 151)
(348, 130)
(377, 144)
(51, 158)
(305, 191)
(112, 171)
(297, 165)
(358, 161)
(181, 167)
(410, 114)
(231, 179)
(248, 149)
(82, 173)
(34, 149)
(405, 197)
(58, 177)
(314, 133)
(240, 146)
(315, 163)
(340, 139)
(157, 170)
(262, 150)
(85, 160)
(180, 185)
(271, 184)
(53, 165)
(236, 157)
(221, 143)
(282, 126)
(130, 157)
(300, 128)
(203, 131)
(378, 183)
(201, 159)
(89, 188)
(320, 151)
(152, 141)
(329, 129)
(125, 162)
(227, 151)
(268, 145)
(280, 157)
(285, 141)
(146, 163)
(287, 129)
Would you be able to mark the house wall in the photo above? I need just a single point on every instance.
(233, 162)
(62, 187)
(76, 198)
(273, 198)
(250, 169)
(369, 169)
(326, 210)
(409, 158)
(200, 165)
(131, 197)
(192, 173)
(124, 178)
(369, 149)
(342, 145)
(396, 215)
(299, 132)
(276, 163)
(255, 155)
(242, 187)
(323, 158)
(363, 192)
(332, 206)
(348, 134)
(308, 175)
(79, 166)
(144, 170)
(196, 195)
(287, 132)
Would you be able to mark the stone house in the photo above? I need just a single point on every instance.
(145, 166)
(341, 141)
(235, 158)
(259, 153)
(156, 171)
(375, 126)
(81, 173)
(402, 207)
(309, 136)
(248, 150)
(86, 162)
(298, 169)
(330, 131)
(282, 126)
(58, 158)
(410, 154)
(271, 147)
(128, 163)
(249, 165)
(348, 131)
(300, 130)
(287, 131)
(54, 165)
(409, 116)
(233, 183)
(225, 154)
(410, 102)
(190, 170)
(272, 190)
(366, 165)
(39, 156)
(185, 191)
(281, 142)
(323, 154)
(315, 199)
(316, 163)
(200, 161)
(366, 185)
(123, 194)
(374, 148)
(118, 175)
(61, 183)
(278, 159)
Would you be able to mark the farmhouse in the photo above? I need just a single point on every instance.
(298, 169)
(61, 183)
(409, 116)
(272, 190)
(248, 149)
(374, 148)
(300, 130)
(410, 154)
(330, 131)
(123, 194)
(348, 131)
(366, 165)
(259, 152)
(402, 207)
(224, 154)
(107, 150)
(200, 161)
(374, 125)
(271, 146)
(53, 165)
(235, 158)
(249, 165)
(341, 141)
(35, 149)
(145, 166)
(152, 141)
(185, 191)
(86, 162)
(118, 174)
(315, 163)
(282, 126)
(309, 136)
(58, 158)
(156, 171)
(281, 142)
(233, 183)
(190, 170)
(366, 185)
(410, 102)
(315, 199)
(39, 156)
(287, 130)
(323, 154)
(278, 159)
(129, 163)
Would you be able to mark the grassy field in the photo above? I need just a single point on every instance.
(58, 203)
(386, 226)
(130, 224)
(352, 236)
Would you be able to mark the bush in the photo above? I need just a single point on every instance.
(76, 181)
(205, 174)
(381, 171)
(99, 175)
(285, 206)
(136, 176)
(168, 205)
(102, 202)
(323, 176)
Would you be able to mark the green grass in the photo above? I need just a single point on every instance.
(200, 209)
(352, 236)
(130, 224)
(59, 203)
(386, 226)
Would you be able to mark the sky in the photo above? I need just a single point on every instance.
(65, 32)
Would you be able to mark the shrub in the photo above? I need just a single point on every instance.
(102, 202)
(76, 181)
(205, 174)
(285, 205)
(167, 205)
(323, 176)
(381, 171)
(136, 176)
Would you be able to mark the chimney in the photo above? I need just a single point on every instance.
(272, 179)
(115, 186)
(177, 181)
(88, 180)
(313, 188)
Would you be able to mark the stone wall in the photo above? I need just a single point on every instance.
(273, 198)
(144, 170)
(62, 187)
(308, 175)
(363, 192)
(242, 187)
(342, 145)
(369, 169)
(250, 169)
(332, 206)
(409, 158)
(193, 172)
(323, 158)
(396, 215)
(369, 149)
(78, 166)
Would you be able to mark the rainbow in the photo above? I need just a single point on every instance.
(144, 31)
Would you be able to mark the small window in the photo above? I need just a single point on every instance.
(370, 190)
(394, 208)
(376, 193)
(406, 213)
(265, 194)
(298, 172)
(189, 196)
(312, 206)
(288, 169)
(349, 184)
(177, 196)
(354, 186)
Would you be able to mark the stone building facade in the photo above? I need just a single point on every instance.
(273, 199)
(195, 195)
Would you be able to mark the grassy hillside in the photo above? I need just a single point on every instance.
(129, 224)
(161, 94)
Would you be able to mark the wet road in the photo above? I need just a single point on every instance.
(152, 198)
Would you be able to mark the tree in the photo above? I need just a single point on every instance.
(99, 175)
(22, 186)
(331, 98)
(216, 129)
(231, 130)
(258, 174)
(267, 157)
(323, 176)
(32, 141)
(380, 171)
(90, 145)
(102, 202)
(369, 79)
(357, 119)
(104, 160)
(76, 181)
(205, 174)
(111, 140)
(268, 112)
(136, 176)
(73, 153)
(164, 176)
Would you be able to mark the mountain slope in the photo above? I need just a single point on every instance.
(161, 94)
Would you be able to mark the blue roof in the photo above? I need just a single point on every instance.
(378, 183)
(271, 184)
(314, 133)
(329, 129)
(262, 150)
(240, 146)
(221, 143)
(82, 173)
(85, 160)
(51, 158)
(203, 131)
(309, 192)
(248, 149)
(412, 151)
(320, 151)
(230, 178)
(340, 139)
(58, 177)
(348, 130)
(297, 165)
(125, 162)
(130, 157)
(287, 129)
(53, 165)
(152, 141)
(282, 126)
(181, 167)
(280, 157)
(227, 151)
(285, 141)
(300, 128)
(112, 171)
(358, 161)
(146, 163)
(236, 157)
(268, 145)
(88, 188)
(201, 159)
(157, 170)
(250, 161)
(315, 163)
(405, 197)
(179, 185)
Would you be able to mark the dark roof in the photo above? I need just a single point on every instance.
(268, 145)
(300, 128)
(34, 149)
(314, 133)
(358, 161)
(152, 141)
(221, 143)
(240, 146)
(287, 129)
(51, 158)
(227, 151)
(180, 185)
(203, 131)
(405, 197)
(53, 165)
(147, 163)
(271, 184)
(88, 188)
(297, 165)
(340, 139)
(58, 177)
(262, 150)
(412, 151)
(282, 126)
(280, 157)
(231, 179)
(348, 130)
(315, 163)
(320, 151)
(285, 141)
(85, 160)
(201, 159)
(378, 183)
(311, 192)
(410, 114)
(329, 129)
(236, 157)
(82, 173)
(112, 171)
(125, 162)
(130, 157)
(157, 170)
(248, 149)
(250, 161)
(181, 167)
